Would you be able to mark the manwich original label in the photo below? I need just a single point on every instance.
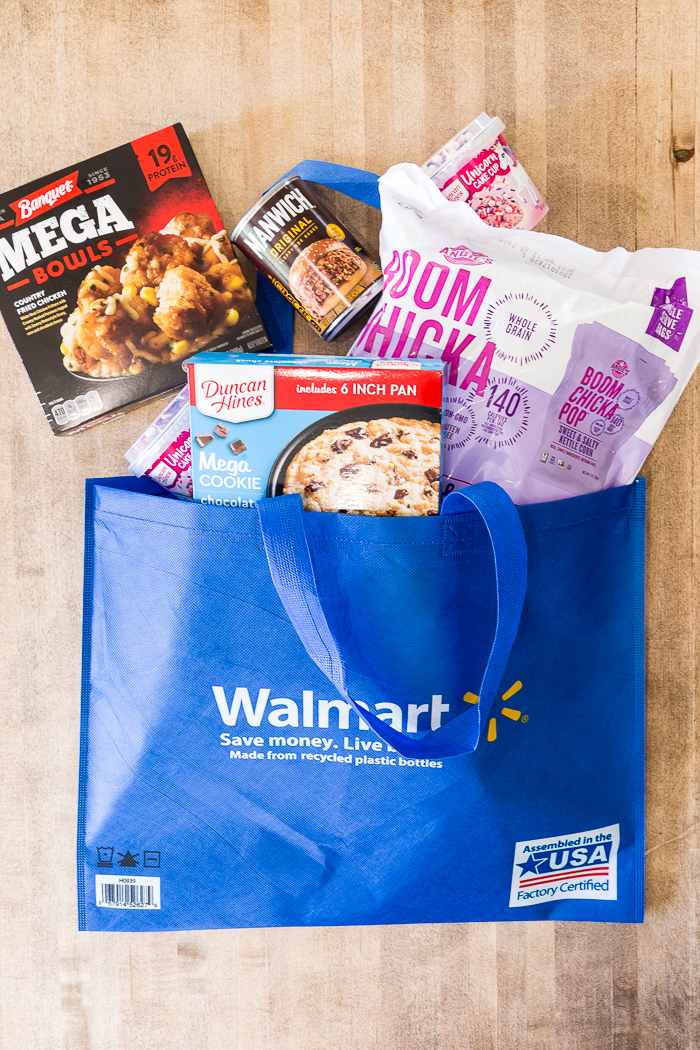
(310, 256)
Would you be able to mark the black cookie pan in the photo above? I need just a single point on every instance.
(362, 414)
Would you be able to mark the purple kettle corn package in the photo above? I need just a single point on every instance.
(611, 385)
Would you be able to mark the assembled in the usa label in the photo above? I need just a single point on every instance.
(582, 865)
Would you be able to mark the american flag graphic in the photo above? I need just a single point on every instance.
(566, 867)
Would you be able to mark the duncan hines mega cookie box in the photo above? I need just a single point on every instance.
(348, 439)
(112, 272)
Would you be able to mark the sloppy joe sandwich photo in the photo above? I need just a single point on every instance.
(323, 275)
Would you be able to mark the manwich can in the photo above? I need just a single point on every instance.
(310, 257)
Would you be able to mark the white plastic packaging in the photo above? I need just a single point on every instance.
(563, 363)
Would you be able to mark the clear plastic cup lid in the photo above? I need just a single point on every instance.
(470, 140)
(158, 425)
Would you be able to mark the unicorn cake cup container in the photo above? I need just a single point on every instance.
(477, 166)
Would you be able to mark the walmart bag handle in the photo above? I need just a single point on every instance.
(363, 186)
(291, 566)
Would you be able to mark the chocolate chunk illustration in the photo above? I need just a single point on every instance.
(348, 469)
(204, 439)
(432, 475)
(341, 445)
(400, 493)
(220, 430)
(379, 442)
(358, 432)
(313, 486)
(410, 454)
(237, 447)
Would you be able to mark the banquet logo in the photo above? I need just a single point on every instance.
(46, 198)
(582, 865)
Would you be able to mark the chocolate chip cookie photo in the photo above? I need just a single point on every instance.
(384, 467)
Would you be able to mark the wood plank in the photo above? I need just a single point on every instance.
(590, 103)
(667, 948)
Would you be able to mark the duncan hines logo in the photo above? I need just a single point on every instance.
(287, 209)
(235, 393)
(46, 198)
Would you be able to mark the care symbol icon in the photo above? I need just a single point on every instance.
(104, 856)
(128, 860)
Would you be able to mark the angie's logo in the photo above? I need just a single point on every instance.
(462, 254)
(45, 199)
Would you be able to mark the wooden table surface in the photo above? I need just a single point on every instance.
(599, 100)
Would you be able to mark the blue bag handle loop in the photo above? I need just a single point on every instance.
(363, 186)
(289, 557)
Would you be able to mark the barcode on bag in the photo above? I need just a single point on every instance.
(117, 891)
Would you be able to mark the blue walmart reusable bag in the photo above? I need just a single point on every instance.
(229, 779)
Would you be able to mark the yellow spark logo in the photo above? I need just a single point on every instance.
(508, 712)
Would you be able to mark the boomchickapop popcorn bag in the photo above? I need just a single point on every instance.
(564, 362)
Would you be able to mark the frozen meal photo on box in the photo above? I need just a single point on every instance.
(114, 270)
(347, 438)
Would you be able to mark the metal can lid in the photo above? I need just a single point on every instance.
(286, 181)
